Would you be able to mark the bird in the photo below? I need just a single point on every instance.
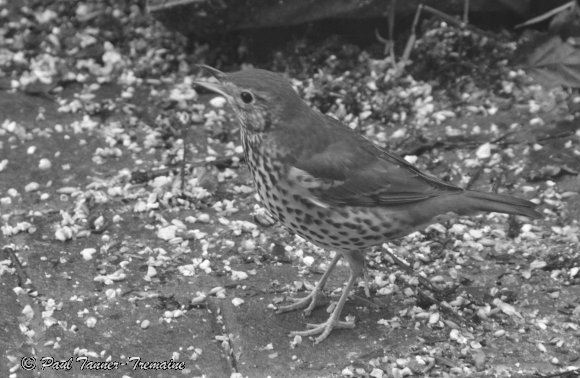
(327, 183)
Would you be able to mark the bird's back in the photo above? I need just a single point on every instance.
(327, 183)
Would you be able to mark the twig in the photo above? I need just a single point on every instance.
(501, 137)
(23, 279)
(412, 38)
(569, 373)
(184, 129)
(170, 4)
(383, 40)
(391, 19)
(546, 15)
(389, 43)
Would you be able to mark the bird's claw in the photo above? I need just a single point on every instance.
(323, 329)
(309, 303)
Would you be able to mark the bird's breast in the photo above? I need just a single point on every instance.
(290, 197)
(267, 170)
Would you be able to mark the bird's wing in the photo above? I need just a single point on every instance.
(351, 171)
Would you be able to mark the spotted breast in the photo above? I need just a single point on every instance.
(288, 194)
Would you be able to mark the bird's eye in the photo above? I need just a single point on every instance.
(246, 97)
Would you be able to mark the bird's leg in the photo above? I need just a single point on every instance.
(310, 300)
(357, 268)
(365, 273)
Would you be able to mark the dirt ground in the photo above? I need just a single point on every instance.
(116, 259)
(125, 289)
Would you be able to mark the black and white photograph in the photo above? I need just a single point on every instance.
(290, 188)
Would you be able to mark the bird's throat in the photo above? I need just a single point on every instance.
(252, 143)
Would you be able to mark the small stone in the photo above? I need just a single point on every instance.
(542, 348)
(296, 341)
(218, 102)
(91, 322)
(31, 187)
(44, 164)
(434, 318)
(203, 218)
(88, 253)
(538, 264)
(167, 233)
(238, 275)
(63, 233)
(216, 290)
(237, 301)
(484, 151)
(248, 245)
(479, 359)
(402, 362)
(377, 373)
(197, 300)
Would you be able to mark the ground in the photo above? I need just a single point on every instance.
(113, 248)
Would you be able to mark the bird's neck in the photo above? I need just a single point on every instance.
(250, 139)
(252, 143)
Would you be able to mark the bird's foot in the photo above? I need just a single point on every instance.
(323, 329)
(309, 303)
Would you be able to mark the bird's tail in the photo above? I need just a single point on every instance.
(500, 203)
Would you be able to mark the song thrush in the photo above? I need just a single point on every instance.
(328, 184)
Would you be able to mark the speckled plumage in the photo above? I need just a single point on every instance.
(294, 205)
(333, 187)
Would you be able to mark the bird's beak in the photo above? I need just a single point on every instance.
(213, 71)
(212, 86)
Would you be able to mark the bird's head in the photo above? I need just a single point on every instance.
(260, 98)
